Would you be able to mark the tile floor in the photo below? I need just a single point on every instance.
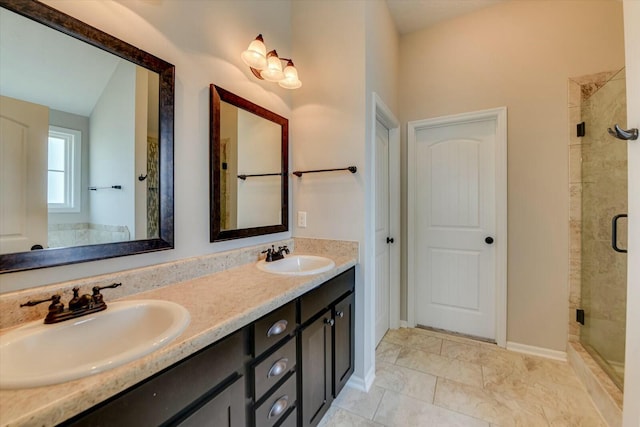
(425, 378)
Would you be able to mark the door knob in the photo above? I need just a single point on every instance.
(488, 240)
(389, 239)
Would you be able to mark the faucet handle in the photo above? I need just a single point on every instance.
(97, 296)
(55, 298)
(97, 289)
(55, 307)
(269, 253)
(284, 249)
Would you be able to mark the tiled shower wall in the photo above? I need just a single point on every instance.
(599, 110)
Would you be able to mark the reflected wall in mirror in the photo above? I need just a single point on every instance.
(86, 128)
(249, 168)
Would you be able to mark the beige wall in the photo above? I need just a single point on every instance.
(346, 50)
(520, 55)
(203, 39)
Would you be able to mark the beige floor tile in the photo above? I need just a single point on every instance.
(337, 417)
(397, 410)
(493, 407)
(542, 370)
(405, 381)
(566, 405)
(359, 402)
(415, 338)
(387, 352)
(451, 337)
(461, 351)
(397, 336)
(477, 384)
(440, 366)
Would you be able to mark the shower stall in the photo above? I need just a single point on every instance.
(603, 223)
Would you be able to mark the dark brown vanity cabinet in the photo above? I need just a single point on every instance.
(283, 370)
(206, 386)
(326, 345)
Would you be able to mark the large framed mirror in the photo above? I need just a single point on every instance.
(86, 171)
(248, 168)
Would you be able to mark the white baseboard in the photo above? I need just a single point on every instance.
(537, 351)
(404, 324)
(362, 384)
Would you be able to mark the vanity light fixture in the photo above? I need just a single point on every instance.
(268, 66)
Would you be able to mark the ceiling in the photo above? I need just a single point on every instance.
(44, 66)
(412, 15)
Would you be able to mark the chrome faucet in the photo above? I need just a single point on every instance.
(273, 255)
(78, 305)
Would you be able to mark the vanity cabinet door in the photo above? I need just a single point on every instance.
(343, 342)
(175, 393)
(316, 369)
(226, 409)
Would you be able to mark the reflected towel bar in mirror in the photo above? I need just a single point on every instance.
(115, 187)
(351, 169)
(244, 177)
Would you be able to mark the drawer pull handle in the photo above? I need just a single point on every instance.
(278, 367)
(277, 328)
(340, 314)
(279, 406)
(329, 322)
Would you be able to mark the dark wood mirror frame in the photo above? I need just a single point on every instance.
(216, 233)
(57, 20)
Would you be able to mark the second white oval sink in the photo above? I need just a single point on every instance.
(297, 265)
(37, 354)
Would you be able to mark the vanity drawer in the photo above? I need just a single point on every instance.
(292, 419)
(318, 299)
(270, 371)
(277, 405)
(273, 327)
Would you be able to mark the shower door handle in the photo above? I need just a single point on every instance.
(614, 233)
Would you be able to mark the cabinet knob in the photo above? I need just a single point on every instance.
(340, 314)
(278, 367)
(329, 322)
(279, 406)
(277, 328)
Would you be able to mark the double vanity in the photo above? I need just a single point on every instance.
(219, 339)
(261, 348)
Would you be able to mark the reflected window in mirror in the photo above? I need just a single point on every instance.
(87, 140)
(248, 169)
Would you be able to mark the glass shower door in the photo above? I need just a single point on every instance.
(604, 195)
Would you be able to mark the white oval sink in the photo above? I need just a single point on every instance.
(297, 265)
(37, 354)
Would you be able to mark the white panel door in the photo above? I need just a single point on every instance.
(24, 132)
(383, 254)
(454, 224)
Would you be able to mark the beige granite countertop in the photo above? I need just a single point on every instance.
(219, 304)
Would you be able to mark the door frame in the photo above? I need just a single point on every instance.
(499, 115)
(382, 113)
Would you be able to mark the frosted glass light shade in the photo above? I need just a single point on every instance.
(256, 54)
(290, 80)
(273, 71)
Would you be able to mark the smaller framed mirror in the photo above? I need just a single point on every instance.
(248, 168)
